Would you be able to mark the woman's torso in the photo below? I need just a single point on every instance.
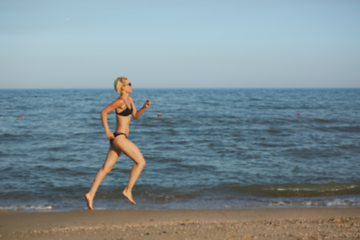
(123, 118)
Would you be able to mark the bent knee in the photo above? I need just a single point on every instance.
(142, 163)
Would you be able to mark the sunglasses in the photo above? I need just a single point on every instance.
(129, 84)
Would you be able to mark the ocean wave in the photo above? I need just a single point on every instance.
(307, 189)
(347, 202)
(27, 208)
(191, 202)
(289, 190)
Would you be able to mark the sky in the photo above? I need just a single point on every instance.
(180, 43)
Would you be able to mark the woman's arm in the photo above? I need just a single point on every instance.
(136, 114)
(109, 108)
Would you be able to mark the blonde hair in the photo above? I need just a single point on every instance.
(119, 82)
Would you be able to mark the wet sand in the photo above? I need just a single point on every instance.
(288, 223)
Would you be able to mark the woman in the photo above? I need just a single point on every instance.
(125, 108)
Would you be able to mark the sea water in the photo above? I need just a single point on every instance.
(211, 148)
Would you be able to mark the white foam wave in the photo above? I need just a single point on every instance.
(316, 188)
(316, 203)
(26, 208)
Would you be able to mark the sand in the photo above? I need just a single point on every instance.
(274, 223)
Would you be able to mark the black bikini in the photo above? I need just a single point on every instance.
(115, 135)
(124, 113)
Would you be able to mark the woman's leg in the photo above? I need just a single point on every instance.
(131, 150)
(111, 158)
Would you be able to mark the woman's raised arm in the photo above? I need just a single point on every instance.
(136, 114)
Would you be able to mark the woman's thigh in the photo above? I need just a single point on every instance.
(130, 149)
(111, 158)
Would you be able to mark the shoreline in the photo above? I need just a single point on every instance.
(254, 223)
(47, 209)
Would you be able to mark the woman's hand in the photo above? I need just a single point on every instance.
(147, 103)
(110, 135)
(136, 114)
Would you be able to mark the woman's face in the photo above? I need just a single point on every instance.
(127, 86)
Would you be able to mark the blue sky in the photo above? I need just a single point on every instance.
(180, 44)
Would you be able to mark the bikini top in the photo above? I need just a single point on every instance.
(126, 112)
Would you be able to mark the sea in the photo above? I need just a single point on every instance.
(204, 148)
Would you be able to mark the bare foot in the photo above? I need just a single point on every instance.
(128, 196)
(89, 200)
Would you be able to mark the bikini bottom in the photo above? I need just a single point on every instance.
(115, 135)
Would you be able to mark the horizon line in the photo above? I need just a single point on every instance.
(184, 88)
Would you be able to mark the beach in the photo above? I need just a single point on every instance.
(263, 223)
